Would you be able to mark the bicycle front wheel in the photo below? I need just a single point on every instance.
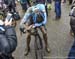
(38, 48)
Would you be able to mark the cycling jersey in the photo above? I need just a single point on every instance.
(30, 12)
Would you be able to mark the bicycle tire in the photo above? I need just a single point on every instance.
(38, 50)
(41, 47)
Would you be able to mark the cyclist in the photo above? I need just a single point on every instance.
(34, 22)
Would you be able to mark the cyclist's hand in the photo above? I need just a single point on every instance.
(33, 26)
(30, 27)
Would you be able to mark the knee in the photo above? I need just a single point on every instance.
(28, 35)
(45, 34)
(44, 31)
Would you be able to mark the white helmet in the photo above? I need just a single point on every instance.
(35, 8)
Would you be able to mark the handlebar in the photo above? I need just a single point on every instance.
(24, 30)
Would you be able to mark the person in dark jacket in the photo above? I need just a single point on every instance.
(11, 5)
(58, 9)
(25, 4)
(71, 54)
(49, 1)
(8, 40)
(6, 1)
(28, 1)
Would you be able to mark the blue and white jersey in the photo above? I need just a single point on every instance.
(30, 12)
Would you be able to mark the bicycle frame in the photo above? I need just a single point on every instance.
(37, 36)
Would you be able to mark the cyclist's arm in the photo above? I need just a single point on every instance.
(24, 21)
(45, 17)
(26, 16)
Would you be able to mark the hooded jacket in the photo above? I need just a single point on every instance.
(8, 40)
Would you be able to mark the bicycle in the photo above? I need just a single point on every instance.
(38, 47)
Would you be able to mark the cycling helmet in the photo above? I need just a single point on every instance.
(35, 9)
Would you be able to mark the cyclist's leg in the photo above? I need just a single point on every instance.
(28, 37)
(44, 31)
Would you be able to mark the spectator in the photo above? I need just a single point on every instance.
(11, 5)
(8, 41)
(2, 4)
(71, 54)
(24, 4)
(58, 9)
(64, 1)
(49, 1)
(40, 1)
